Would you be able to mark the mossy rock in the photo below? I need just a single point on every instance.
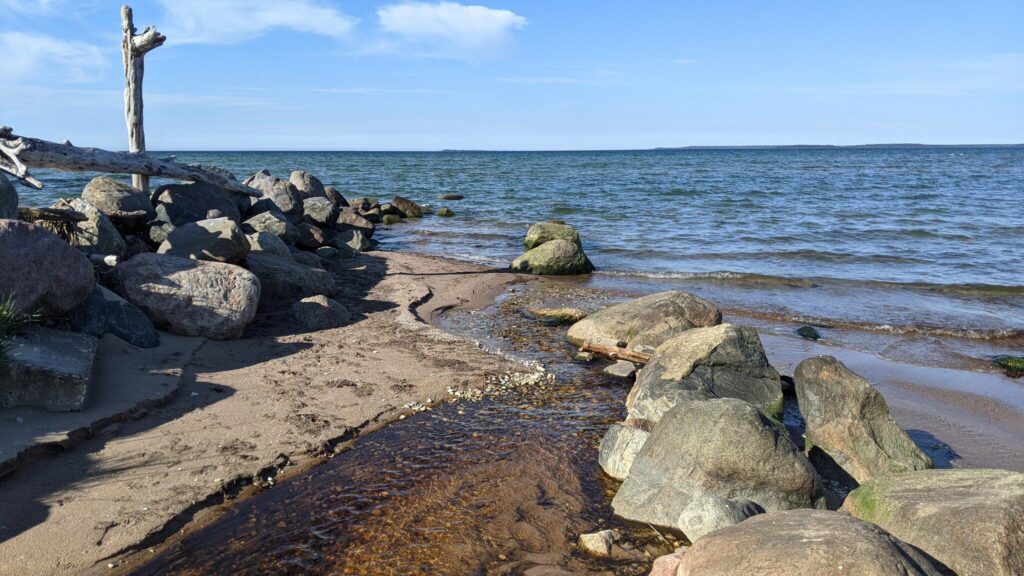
(542, 232)
(808, 333)
(1014, 365)
(445, 212)
(390, 219)
(556, 258)
(450, 197)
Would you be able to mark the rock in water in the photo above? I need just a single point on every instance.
(542, 232)
(190, 297)
(808, 333)
(646, 321)
(179, 204)
(47, 368)
(724, 448)
(390, 219)
(307, 184)
(599, 543)
(621, 369)
(275, 223)
(285, 281)
(408, 208)
(849, 420)
(1014, 365)
(725, 361)
(119, 201)
(804, 542)
(320, 210)
(320, 313)
(278, 194)
(97, 234)
(349, 220)
(216, 240)
(450, 197)
(970, 519)
(556, 316)
(445, 212)
(104, 312)
(554, 258)
(8, 200)
(269, 243)
(619, 448)
(41, 272)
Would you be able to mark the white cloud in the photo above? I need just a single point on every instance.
(38, 56)
(232, 21)
(450, 28)
(28, 6)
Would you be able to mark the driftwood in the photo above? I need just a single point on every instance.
(616, 353)
(133, 48)
(27, 214)
(17, 153)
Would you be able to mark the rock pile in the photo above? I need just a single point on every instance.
(553, 248)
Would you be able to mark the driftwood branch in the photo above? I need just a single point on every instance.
(133, 49)
(28, 214)
(19, 152)
(616, 353)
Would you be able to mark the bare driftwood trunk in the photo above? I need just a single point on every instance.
(616, 353)
(133, 49)
(17, 153)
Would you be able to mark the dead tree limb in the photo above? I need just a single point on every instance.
(17, 153)
(133, 50)
(616, 353)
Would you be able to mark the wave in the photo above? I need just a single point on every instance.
(810, 255)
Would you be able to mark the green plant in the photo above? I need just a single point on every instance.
(12, 323)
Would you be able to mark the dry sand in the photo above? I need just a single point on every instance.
(174, 431)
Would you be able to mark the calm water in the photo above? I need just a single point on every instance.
(904, 240)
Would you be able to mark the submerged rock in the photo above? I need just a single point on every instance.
(649, 321)
(970, 519)
(542, 232)
(556, 316)
(450, 197)
(724, 448)
(190, 297)
(804, 542)
(47, 368)
(619, 448)
(216, 240)
(41, 272)
(849, 420)
(557, 257)
(445, 212)
(390, 219)
(104, 312)
(724, 361)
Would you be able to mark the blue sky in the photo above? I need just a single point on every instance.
(552, 74)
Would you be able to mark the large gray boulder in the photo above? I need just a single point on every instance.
(269, 243)
(335, 197)
(180, 204)
(619, 448)
(47, 368)
(971, 520)
(408, 208)
(308, 185)
(123, 204)
(216, 240)
(542, 232)
(190, 297)
(104, 312)
(353, 239)
(349, 219)
(804, 542)
(8, 200)
(320, 313)
(275, 223)
(285, 281)
(279, 195)
(725, 361)
(646, 321)
(724, 448)
(41, 272)
(849, 420)
(320, 211)
(554, 258)
(97, 234)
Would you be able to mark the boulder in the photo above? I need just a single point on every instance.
(126, 206)
(349, 220)
(306, 258)
(104, 312)
(97, 234)
(668, 564)
(285, 281)
(215, 169)
(320, 211)
(621, 369)
(8, 200)
(705, 513)
(970, 519)
(216, 240)
(389, 209)
(320, 313)
(725, 448)
(445, 212)
(335, 197)
(354, 239)
(599, 543)
(41, 272)
(180, 204)
(407, 207)
(364, 203)
(278, 195)
(804, 542)
(542, 232)
(619, 448)
(307, 184)
(47, 368)
(1013, 365)
(190, 297)
(273, 222)
(390, 219)
(373, 215)
(311, 237)
(269, 243)
(646, 321)
(725, 361)
(849, 420)
(554, 258)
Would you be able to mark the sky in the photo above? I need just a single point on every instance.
(519, 75)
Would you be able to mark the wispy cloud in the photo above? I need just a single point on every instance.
(233, 21)
(448, 29)
(42, 57)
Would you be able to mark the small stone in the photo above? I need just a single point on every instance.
(808, 333)
(621, 369)
(598, 543)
